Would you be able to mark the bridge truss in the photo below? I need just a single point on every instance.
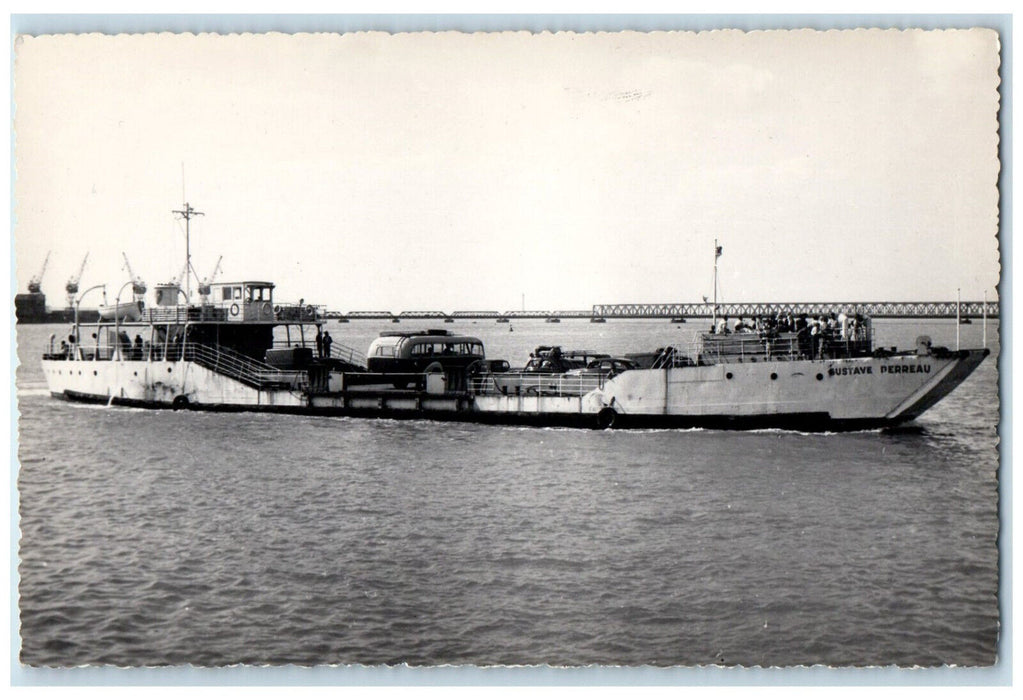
(873, 309)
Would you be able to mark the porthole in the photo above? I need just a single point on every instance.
(136, 374)
(94, 373)
(774, 375)
(168, 370)
(728, 376)
(819, 376)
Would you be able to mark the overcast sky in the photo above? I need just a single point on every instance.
(456, 171)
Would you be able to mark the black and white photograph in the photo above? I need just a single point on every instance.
(507, 349)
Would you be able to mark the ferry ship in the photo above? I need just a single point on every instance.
(242, 350)
(239, 349)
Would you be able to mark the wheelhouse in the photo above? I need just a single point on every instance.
(243, 301)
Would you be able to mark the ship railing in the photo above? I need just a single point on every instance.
(218, 312)
(710, 348)
(82, 352)
(338, 350)
(240, 367)
(217, 358)
(298, 312)
(182, 314)
(671, 357)
(51, 351)
(535, 384)
(347, 354)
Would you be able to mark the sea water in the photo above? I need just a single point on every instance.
(170, 538)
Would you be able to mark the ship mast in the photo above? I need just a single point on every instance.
(187, 213)
(717, 254)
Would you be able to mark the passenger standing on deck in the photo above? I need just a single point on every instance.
(175, 347)
(124, 345)
(327, 342)
(136, 352)
(815, 334)
(319, 342)
(827, 327)
(803, 338)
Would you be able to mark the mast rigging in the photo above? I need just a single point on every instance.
(187, 213)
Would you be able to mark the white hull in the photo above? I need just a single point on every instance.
(158, 383)
(892, 389)
(831, 393)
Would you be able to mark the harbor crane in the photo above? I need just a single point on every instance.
(72, 283)
(176, 281)
(204, 286)
(35, 284)
(138, 287)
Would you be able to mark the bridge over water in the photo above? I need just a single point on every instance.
(873, 309)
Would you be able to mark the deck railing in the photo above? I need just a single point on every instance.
(532, 384)
(217, 358)
(347, 354)
(242, 368)
(758, 347)
(338, 350)
(183, 314)
(298, 312)
(219, 312)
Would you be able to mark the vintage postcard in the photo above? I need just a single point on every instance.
(623, 349)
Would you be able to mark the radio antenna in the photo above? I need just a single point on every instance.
(187, 213)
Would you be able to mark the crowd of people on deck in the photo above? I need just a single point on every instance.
(816, 337)
(161, 350)
(128, 349)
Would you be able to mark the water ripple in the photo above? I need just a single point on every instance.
(160, 538)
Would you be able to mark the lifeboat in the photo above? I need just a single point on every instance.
(125, 311)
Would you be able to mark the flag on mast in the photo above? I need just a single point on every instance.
(717, 252)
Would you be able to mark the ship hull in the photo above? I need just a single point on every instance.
(846, 394)
(853, 392)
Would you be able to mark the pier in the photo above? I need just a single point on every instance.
(873, 309)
